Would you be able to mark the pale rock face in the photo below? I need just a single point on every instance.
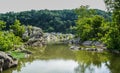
(34, 36)
(57, 37)
(32, 31)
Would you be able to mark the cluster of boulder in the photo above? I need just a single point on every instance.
(90, 46)
(96, 49)
(33, 36)
(7, 61)
(57, 37)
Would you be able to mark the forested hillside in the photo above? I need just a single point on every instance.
(49, 20)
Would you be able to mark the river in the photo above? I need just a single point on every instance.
(58, 58)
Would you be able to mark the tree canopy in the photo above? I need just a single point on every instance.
(49, 20)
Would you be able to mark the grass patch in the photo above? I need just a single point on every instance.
(17, 55)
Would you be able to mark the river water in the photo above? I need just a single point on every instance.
(59, 58)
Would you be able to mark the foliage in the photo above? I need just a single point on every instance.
(91, 57)
(17, 28)
(89, 28)
(48, 20)
(8, 40)
(84, 11)
(2, 25)
(17, 55)
(92, 27)
(112, 37)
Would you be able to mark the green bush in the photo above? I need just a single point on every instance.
(8, 40)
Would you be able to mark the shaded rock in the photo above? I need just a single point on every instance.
(75, 48)
(95, 49)
(87, 49)
(100, 50)
(36, 42)
(19, 48)
(35, 36)
(87, 43)
(1, 64)
(74, 41)
(99, 44)
(31, 32)
(7, 61)
(96, 43)
(90, 49)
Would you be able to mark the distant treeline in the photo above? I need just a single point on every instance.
(49, 20)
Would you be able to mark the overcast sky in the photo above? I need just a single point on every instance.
(23, 5)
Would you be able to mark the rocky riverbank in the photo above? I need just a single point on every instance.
(94, 49)
(33, 37)
(7, 61)
(90, 46)
(57, 37)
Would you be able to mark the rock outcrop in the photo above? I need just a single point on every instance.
(75, 48)
(96, 49)
(7, 61)
(34, 36)
(74, 41)
(58, 37)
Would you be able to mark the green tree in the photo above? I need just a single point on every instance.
(2, 25)
(18, 28)
(8, 40)
(83, 28)
(84, 11)
(89, 28)
(96, 24)
(112, 36)
(51, 20)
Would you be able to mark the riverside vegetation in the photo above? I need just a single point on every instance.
(17, 34)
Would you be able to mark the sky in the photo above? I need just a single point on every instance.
(24, 5)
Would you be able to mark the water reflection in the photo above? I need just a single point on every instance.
(50, 66)
(59, 59)
(92, 62)
(84, 68)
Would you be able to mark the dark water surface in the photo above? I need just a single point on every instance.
(60, 59)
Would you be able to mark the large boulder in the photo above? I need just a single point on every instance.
(31, 31)
(35, 42)
(57, 37)
(35, 37)
(75, 48)
(87, 43)
(74, 41)
(7, 61)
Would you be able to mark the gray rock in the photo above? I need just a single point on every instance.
(100, 50)
(96, 43)
(75, 48)
(31, 32)
(90, 49)
(35, 37)
(7, 61)
(87, 43)
(74, 41)
(1, 64)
